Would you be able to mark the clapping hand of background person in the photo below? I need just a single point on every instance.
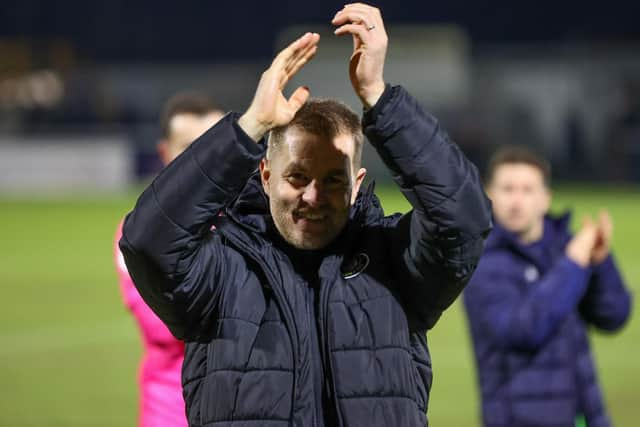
(582, 244)
(591, 244)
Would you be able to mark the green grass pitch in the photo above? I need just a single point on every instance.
(70, 350)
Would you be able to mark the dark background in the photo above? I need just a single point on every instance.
(119, 30)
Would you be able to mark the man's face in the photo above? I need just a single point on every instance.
(520, 199)
(311, 186)
(183, 130)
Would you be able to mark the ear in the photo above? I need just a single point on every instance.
(362, 172)
(546, 203)
(265, 174)
(163, 151)
(488, 189)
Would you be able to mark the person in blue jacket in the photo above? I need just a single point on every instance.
(306, 306)
(535, 292)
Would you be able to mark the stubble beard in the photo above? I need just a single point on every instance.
(291, 233)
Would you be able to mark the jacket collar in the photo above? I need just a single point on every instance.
(556, 234)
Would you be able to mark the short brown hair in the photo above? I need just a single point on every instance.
(518, 154)
(184, 103)
(327, 118)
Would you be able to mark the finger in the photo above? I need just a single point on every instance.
(587, 222)
(304, 52)
(355, 29)
(298, 59)
(591, 230)
(305, 43)
(345, 16)
(298, 65)
(588, 232)
(294, 48)
(360, 4)
(357, 44)
(606, 224)
(302, 58)
(364, 8)
(374, 15)
(298, 98)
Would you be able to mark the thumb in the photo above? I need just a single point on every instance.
(298, 98)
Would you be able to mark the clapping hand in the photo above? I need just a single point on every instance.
(269, 107)
(366, 65)
(591, 244)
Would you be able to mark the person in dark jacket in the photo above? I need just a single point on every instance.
(306, 306)
(536, 291)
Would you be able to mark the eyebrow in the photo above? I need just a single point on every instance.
(300, 167)
(340, 172)
(294, 167)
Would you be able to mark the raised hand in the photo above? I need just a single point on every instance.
(269, 107)
(602, 245)
(370, 41)
(581, 246)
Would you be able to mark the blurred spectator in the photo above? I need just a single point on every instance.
(184, 118)
(536, 290)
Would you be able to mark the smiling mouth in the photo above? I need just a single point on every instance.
(309, 216)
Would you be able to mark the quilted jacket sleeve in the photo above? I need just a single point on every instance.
(607, 302)
(442, 238)
(176, 262)
(152, 329)
(503, 314)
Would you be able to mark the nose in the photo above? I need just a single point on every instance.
(517, 200)
(313, 194)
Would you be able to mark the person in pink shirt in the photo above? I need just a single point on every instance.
(184, 118)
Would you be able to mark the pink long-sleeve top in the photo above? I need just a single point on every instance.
(161, 401)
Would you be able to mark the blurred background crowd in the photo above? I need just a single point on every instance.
(562, 77)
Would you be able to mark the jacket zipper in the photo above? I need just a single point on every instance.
(312, 324)
(323, 311)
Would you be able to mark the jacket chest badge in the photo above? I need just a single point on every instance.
(355, 266)
(531, 274)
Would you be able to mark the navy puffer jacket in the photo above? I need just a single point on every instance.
(529, 307)
(256, 341)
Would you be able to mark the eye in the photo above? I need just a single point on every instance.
(336, 181)
(506, 188)
(297, 179)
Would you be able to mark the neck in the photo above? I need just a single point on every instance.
(533, 233)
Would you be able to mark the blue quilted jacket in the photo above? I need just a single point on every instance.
(529, 307)
(276, 338)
